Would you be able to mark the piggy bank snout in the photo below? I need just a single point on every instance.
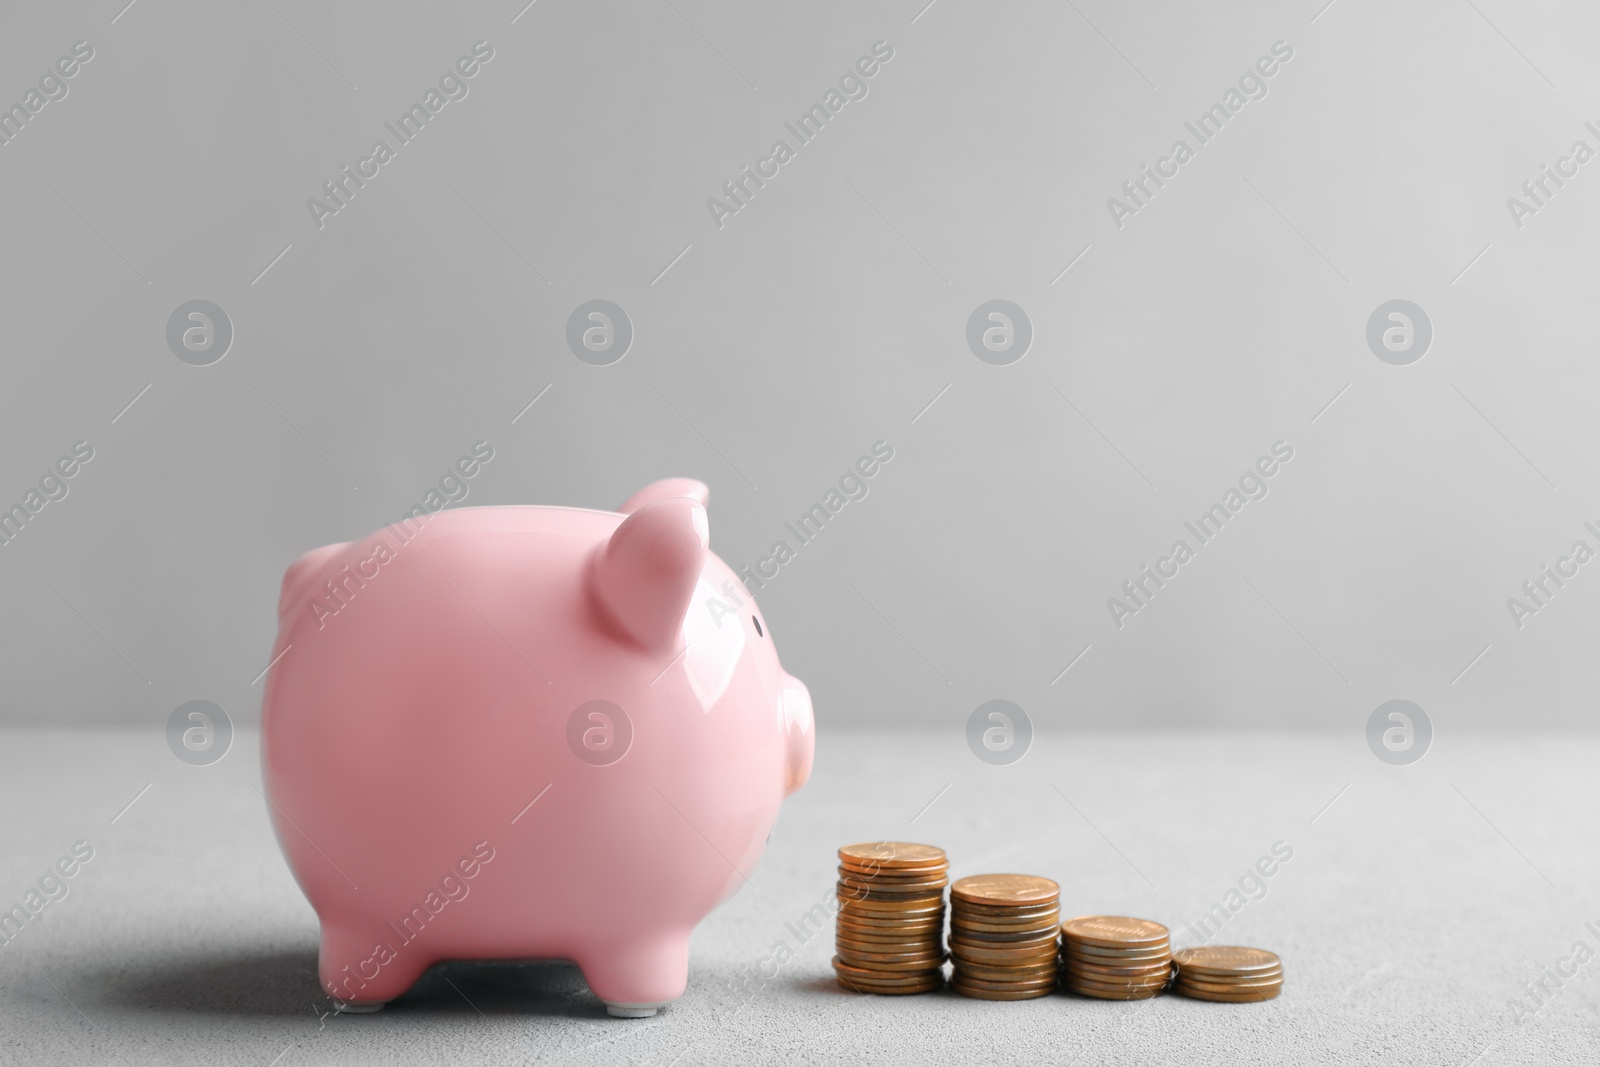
(800, 731)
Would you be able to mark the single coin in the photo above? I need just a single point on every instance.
(1229, 998)
(892, 969)
(1002, 974)
(887, 979)
(880, 936)
(867, 913)
(1008, 912)
(1109, 994)
(906, 909)
(1022, 889)
(1004, 929)
(1155, 982)
(895, 855)
(867, 974)
(880, 896)
(1096, 952)
(927, 879)
(880, 944)
(1227, 959)
(1263, 977)
(998, 940)
(977, 955)
(894, 885)
(885, 877)
(860, 912)
(1009, 944)
(995, 994)
(1114, 931)
(1004, 917)
(868, 959)
(1035, 982)
(927, 932)
(927, 985)
(983, 932)
(889, 931)
(1241, 988)
(1075, 964)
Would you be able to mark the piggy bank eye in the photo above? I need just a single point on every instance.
(759, 632)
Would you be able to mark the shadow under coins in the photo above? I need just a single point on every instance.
(284, 983)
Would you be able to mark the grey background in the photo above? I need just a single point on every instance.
(822, 318)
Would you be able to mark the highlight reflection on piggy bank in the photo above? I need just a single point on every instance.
(526, 733)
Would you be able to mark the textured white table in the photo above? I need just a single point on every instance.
(1415, 907)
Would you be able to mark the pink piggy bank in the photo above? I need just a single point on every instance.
(526, 733)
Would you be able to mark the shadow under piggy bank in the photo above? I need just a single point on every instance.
(283, 982)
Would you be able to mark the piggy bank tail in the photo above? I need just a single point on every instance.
(302, 575)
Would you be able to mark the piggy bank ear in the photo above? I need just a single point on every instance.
(666, 489)
(645, 574)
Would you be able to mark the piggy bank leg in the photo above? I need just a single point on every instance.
(637, 977)
(363, 971)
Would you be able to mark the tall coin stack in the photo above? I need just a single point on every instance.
(1003, 936)
(890, 928)
(1228, 972)
(1115, 958)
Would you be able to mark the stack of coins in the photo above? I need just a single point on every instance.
(890, 932)
(1115, 958)
(1003, 936)
(1228, 973)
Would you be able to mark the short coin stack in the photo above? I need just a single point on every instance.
(1115, 958)
(890, 928)
(1228, 973)
(1003, 936)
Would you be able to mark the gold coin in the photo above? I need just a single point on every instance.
(1229, 998)
(1090, 970)
(996, 994)
(1035, 982)
(1227, 959)
(927, 985)
(1094, 952)
(1109, 994)
(1002, 889)
(961, 922)
(1003, 974)
(980, 955)
(894, 855)
(1241, 988)
(1114, 931)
